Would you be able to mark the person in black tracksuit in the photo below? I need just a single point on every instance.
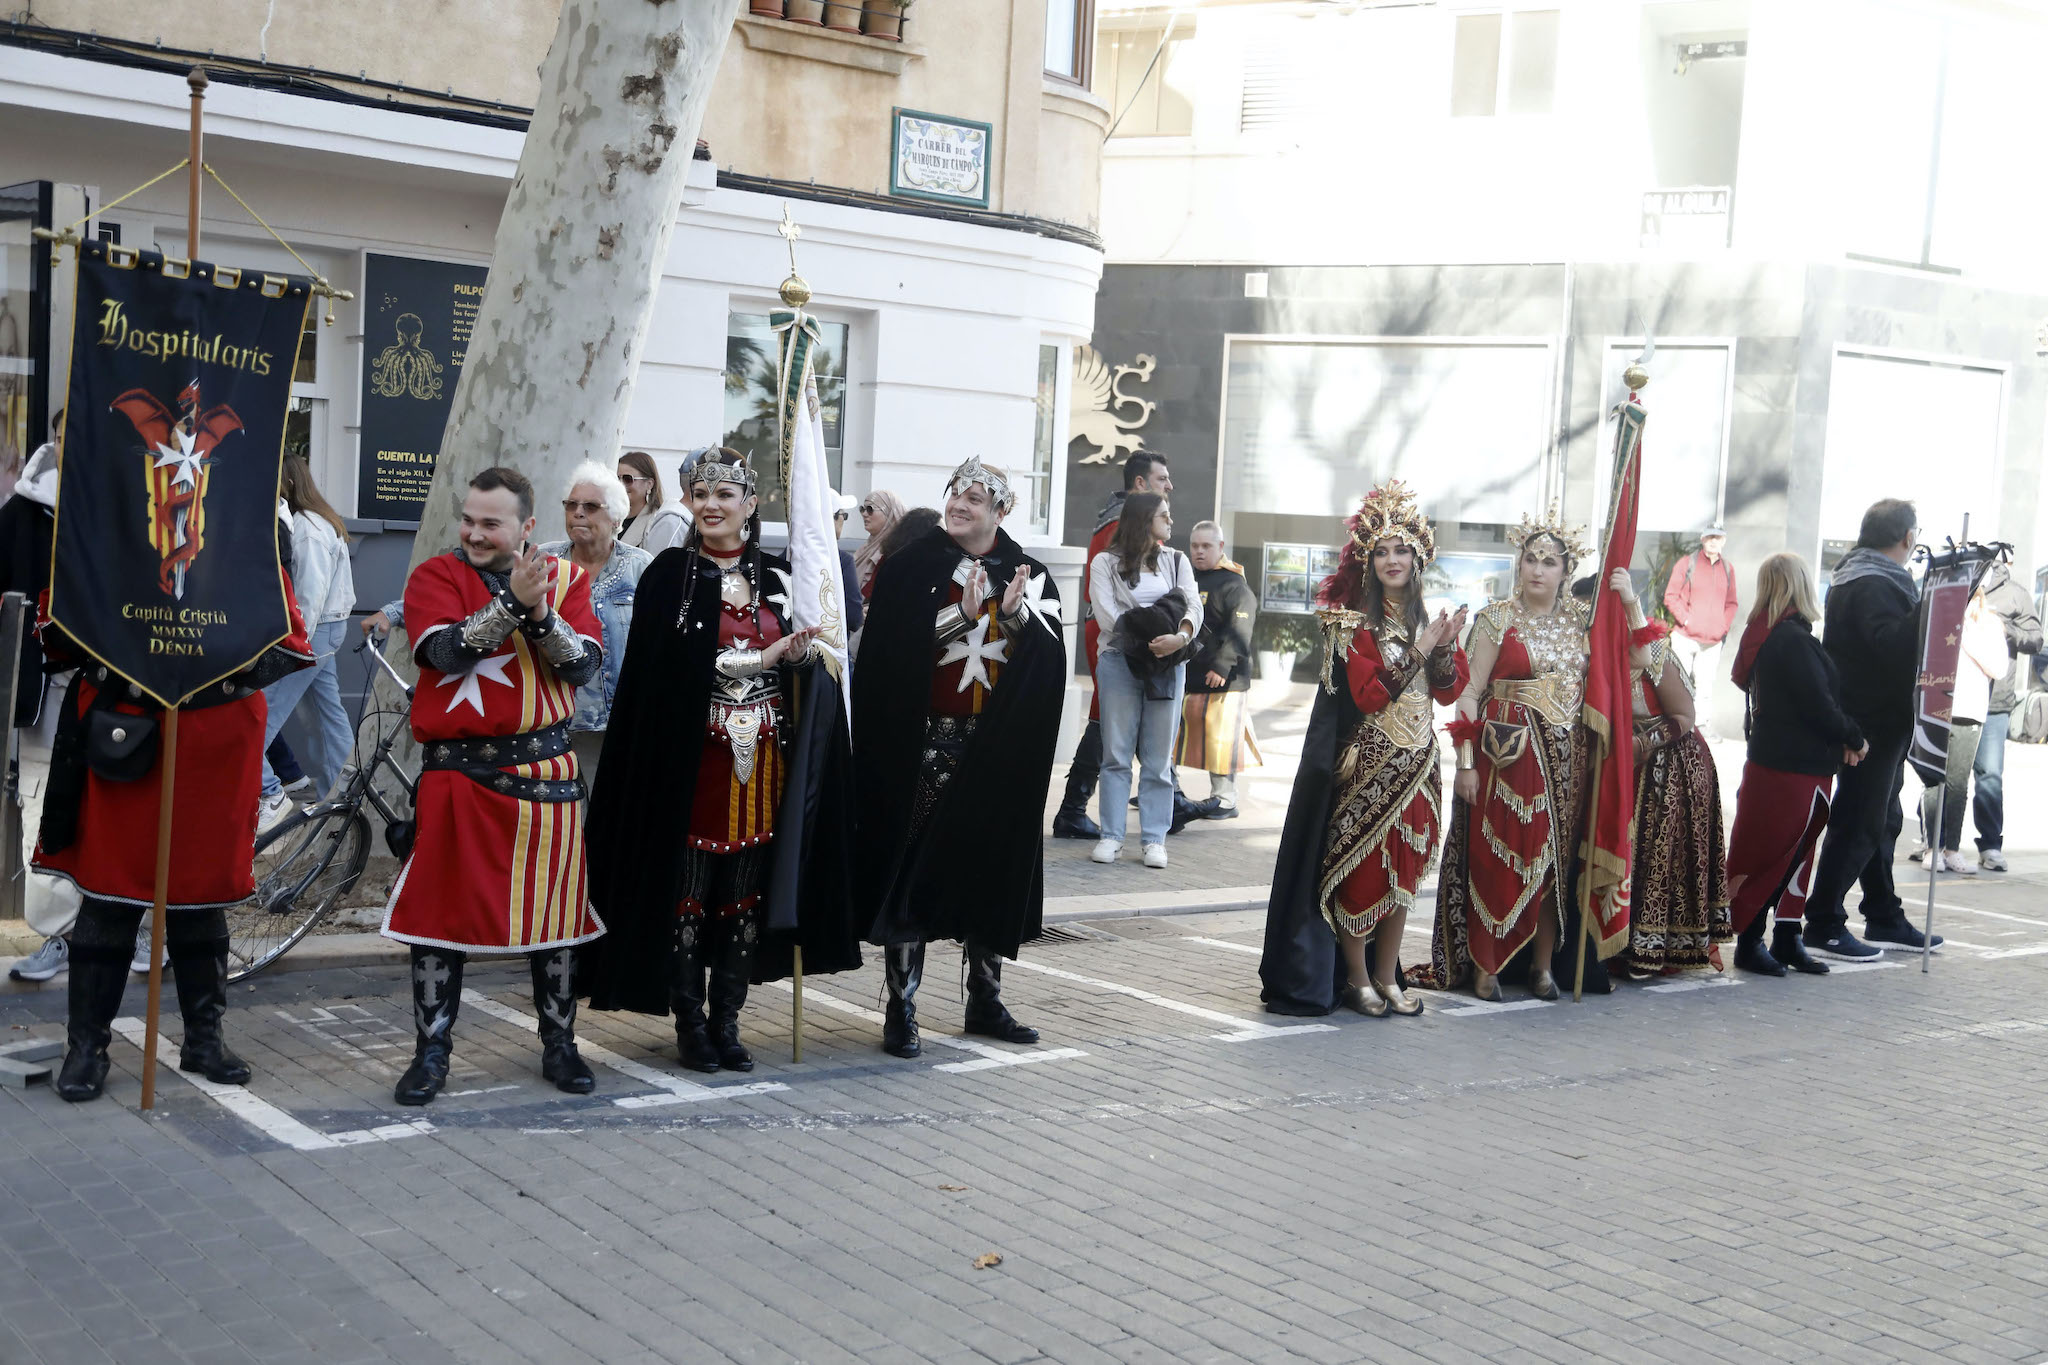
(1872, 635)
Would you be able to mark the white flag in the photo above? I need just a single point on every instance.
(817, 593)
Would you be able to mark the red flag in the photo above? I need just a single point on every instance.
(1608, 852)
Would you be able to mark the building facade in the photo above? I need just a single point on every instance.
(1349, 241)
(945, 179)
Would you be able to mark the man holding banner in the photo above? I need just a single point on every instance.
(168, 589)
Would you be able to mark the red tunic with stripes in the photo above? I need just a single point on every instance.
(731, 813)
(491, 872)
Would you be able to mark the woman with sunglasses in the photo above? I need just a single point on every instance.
(879, 513)
(595, 505)
(650, 522)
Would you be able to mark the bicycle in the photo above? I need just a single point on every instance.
(309, 860)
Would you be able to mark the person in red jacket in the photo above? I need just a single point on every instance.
(1700, 596)
(1143, 473)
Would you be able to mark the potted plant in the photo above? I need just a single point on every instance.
(1279, 640)
(884, 19)
(843, 16)
(804, 11)
(766, 9)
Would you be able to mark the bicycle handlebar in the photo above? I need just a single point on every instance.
(385, 664)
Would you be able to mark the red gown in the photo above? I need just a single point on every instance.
(1506, 859)
(491, 872)
(1385, 816)
(1679, 896)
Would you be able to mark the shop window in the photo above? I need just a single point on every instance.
(306, 368)
(1504, 63)
(1043, 430)
(1069, 39)
(1134, 73)
(750, 402)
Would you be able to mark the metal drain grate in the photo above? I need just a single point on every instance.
(1075, 933)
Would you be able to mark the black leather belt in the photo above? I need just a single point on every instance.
(483, 758)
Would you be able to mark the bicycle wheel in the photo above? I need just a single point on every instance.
(304, 864)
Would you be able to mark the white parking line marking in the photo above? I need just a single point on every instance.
(1225, 943)
(265, 1117)
(1838, 968)
(2034, 951)
(1992, 914)
(1245, 1030)
(1694, 983)
(674, 1089)
(1473, 1005)
(986, 1057)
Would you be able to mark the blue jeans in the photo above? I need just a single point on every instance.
(1988, 810)
(333, 736)
(1134, 728)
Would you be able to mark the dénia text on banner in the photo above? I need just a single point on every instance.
(166, 565)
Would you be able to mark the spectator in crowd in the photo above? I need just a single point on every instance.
(651, 522)
(1150, 609)
(879, 513)
(1871, 633)
(1700, 596)
(848, 579)
(2022, 624)
(326, 587)
(1216, 726)
(1799, 738)
(591, 513)
(1981, 660)
(1143, 473)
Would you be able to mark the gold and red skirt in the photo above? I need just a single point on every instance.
(1383, 828)
(1679, 897)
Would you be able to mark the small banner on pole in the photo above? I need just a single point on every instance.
(817, 591)
(1944, 597)
(166, 565)
(1609, 710)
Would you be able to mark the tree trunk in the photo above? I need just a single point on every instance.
(579, 252)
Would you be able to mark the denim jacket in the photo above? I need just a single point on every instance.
(611, 597)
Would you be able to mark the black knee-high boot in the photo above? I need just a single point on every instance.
(903, 966)
(200, 968)
(731, 965)
(99, 975)
(985, 1012)
(436, 995)
(686, 997)
(554, 1000)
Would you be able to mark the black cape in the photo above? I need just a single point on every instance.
(977, 871)
(646, 781)
(1302, 971)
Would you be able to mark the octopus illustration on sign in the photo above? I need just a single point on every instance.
(1098, 397)
(406, 367)
(179, 449)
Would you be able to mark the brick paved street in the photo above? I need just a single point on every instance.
(1847, 1169)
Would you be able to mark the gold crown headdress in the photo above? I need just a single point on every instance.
(1552, 524)
(712, 470)
(974, 471)
(1389, 513)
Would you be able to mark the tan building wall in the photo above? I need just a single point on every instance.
(793, 102)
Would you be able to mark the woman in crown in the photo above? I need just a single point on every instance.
(1505, 890)
(1361, 829)
(699, 861)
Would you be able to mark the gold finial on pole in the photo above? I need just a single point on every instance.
(794, 291)
(1636, 377)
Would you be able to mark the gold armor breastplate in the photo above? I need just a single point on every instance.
(1406, 719)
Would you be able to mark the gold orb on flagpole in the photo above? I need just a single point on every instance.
(1636, 378)
(794, 291)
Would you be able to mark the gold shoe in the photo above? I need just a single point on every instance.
(1365, 1000)
(1542, 984)
(1398, 1001)
(1486, 985)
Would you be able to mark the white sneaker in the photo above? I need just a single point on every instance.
(301, 790)
(45, 962)
(1991, 860)
(139, 963)
(272, 810)
(1953, 862)
(1106, 850)
(1155, 855)
(1918, 855)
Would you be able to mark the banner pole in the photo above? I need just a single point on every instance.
(1934, 856)
(156, 910)
(196, 81)
(796, 1005)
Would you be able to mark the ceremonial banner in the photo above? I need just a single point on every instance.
(1608, 853)
(166, 565)
(1945, 595)
(817, 593)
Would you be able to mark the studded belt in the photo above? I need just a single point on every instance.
(483, 758)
